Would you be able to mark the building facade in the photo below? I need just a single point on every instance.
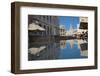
(62, 30)
(49, 23)
(83, 25)
(82, 30)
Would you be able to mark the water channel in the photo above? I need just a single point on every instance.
(63, 49)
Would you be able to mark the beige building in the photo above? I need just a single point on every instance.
(62, 30)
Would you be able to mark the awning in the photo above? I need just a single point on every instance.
(34, 26)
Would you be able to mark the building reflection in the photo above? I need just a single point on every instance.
(83, 46)
(62, 44)
(43, 51)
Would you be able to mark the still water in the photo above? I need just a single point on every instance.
(63, 49)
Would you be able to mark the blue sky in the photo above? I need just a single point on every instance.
(67, 20)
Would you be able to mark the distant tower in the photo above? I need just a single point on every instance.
(71, 30)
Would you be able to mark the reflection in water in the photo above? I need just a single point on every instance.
(62, 44)
(35, 50)
(63, 49)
